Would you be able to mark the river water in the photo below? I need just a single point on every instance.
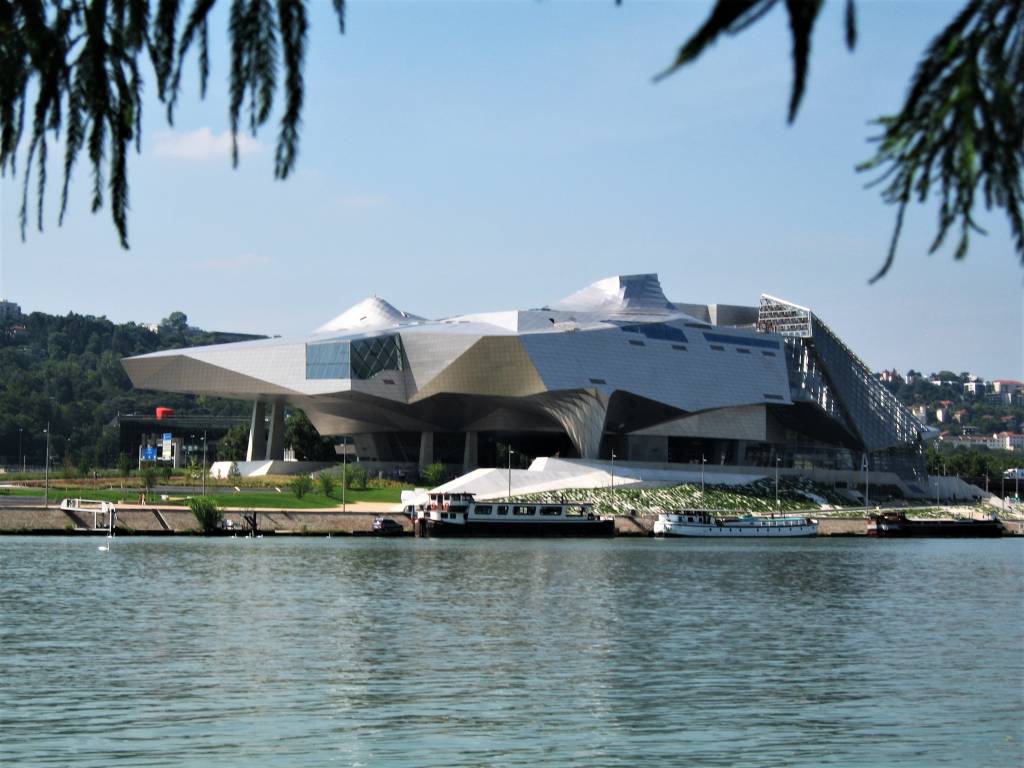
(363, 652)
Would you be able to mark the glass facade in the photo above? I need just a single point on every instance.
(373, 355)
(356, 359)
(327, 360)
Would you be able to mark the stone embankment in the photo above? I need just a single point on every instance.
(164, 520)
(358, 520)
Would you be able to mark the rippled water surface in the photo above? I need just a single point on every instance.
(360, 652)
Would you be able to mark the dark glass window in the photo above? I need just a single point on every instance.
(657, 331)
(747, 341)
(375, 354)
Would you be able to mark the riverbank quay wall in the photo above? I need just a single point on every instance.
(168, 521)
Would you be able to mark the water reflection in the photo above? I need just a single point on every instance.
(415, 653)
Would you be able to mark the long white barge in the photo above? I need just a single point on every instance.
(704, 524)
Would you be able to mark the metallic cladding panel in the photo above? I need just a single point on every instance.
(186, 375)
(496, 366)
(694, 378)
(745, 422)
(430, 353)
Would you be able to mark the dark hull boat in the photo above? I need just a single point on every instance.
(898, 525)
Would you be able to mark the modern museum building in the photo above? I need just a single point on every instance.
(614, 369)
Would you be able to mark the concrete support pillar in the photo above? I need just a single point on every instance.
(426, 449)
(582, 416)
(275, 441)
(740, 453)
(469, 459)
(257, 433)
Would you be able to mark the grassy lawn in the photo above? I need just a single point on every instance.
(225, 498)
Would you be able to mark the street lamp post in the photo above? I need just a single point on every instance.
(204, 462)
(703, 461)
(344, 469)
(867, 483)
(778, 459)
(510, 452)
(191, 451)
(613, 470)
(20, 452)
(46, 469)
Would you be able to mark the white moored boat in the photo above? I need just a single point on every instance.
(459, 514)
(702, 523)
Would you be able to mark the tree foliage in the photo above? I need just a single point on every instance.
(433, 474)
(207, 513)
(326, 483)
(961, 128)
(234, 445)
(355, 477)
(84, 61)
(301, 485)
(302, 436)
(67, 370)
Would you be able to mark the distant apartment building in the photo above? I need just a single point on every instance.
(920, 412)
(960, 415)
(1006, 392)
(9, 311)
(1008, 441)
(976, 387)
(941, 414)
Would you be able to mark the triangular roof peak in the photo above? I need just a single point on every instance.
(372, 312)
(619, 294)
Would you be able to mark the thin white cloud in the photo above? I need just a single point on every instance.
(202, 144)
(242, 261)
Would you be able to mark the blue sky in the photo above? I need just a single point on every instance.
(460, 157)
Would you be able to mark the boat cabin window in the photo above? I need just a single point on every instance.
(551, 510)
(482, 509)
(523, 511)
(502, 510)
(575, 511)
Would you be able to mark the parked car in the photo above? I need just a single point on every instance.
(385, 526)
